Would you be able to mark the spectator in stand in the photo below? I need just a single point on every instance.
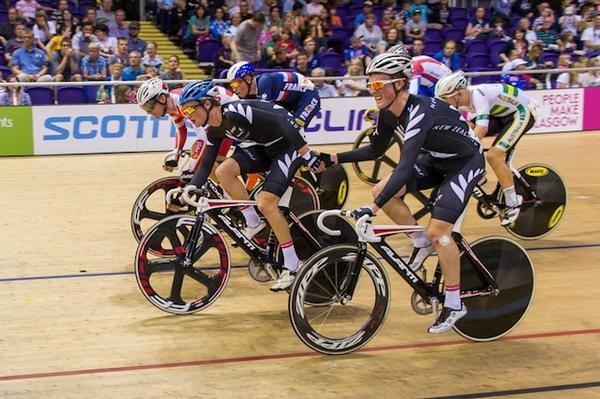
(534, 58)
(108, 44)
(547, 34)
(583, 79)
(274, 17)
(135, 43)
(523, 8)
(417, 47)
(390, 38)
(280, 60)
(179, 17)
(518, 43)
(29, 63)
(314, 8)
(218, 25)
(91, 16)
(83, 39)
(54, 45)
(315, 30)
(565, 79)
(325, 89)
(290, 27)
(28, 8)
(298, 18)
(14, 95)
(415, 27)
(519, 81)
(225, 56)
(543, 10)
(498, 32)
(118, 28)
(371, 33)
(567, 42)
(502, 8)
(245, 42)
(387, 19)
(93, 66)
(530, 35)
(508, 57)
(198, 25)
(309, 48)
(569, 21)
(56, 15)
(121, 56)
(353, 87)
(164, 8)
(68, 19)
(7, 29)
(591, 36)
(43, 29)
(244, 10)
(273, 36)
(114, 94)
(236, 20)
(448, 56)
(16, 43)
(151, 59)
(357, 50)
(440, 15)
(302, 63)
(367, 9)
(418, 5)
(65, 63)
(105, 13)
(404, 13)
(172, 72)
(135, 68)
(478, 25)
(588, 14)
(330, 15)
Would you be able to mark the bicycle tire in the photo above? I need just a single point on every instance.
(491, 317)
(332, 186)
(369, 171)
(368, 308)
(169, 285)
(538, 221)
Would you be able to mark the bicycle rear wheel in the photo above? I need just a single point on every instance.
(535, 221)
(372, 171)
(341, 325)
(493, 316)
(332, 186)
(170, 285)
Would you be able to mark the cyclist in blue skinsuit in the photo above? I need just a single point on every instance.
(291, 90)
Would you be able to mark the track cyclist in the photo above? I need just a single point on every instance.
(291, 90)
(500, 110)
(439, 150)
(279, 149)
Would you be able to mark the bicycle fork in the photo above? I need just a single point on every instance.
(349, 285)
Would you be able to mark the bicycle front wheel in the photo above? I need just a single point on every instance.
(169, 284)
(342, 324)
(537, 220)
(493, 316)
(371, 172)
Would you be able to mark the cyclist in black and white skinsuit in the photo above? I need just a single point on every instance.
(439, 150)
(278, 148)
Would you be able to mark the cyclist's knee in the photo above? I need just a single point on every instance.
(267, 203)
(226, 170)
(495, 154)
(439, 234)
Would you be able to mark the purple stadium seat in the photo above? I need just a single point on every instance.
(378, 11)
(550, 57)
(3, 17)
(478, 60)
(432, 47)
(454, 34)
(90, 93)
(2, 6)
(462, 60)
(460, 23)
(342, 12)
(5, 72)
(497, 46)
(342, 35)
(433, 34)
(40, 95)
(495, 59)
(458, 12)
(330, 60)
(355, 9)
(2, 59)
(207, 50)
(477, 46)
(70, 95)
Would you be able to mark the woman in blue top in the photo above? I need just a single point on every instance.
(14, 95)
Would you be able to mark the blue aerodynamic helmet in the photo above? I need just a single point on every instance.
(195, 91)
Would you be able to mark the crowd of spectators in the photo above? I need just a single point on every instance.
(39, 43)
(301, 35)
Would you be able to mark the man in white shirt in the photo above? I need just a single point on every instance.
(325, 89)
(591, 36)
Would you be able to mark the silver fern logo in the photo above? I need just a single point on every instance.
(414, 118)
(246, 112)
(285, 164)
(460, 188)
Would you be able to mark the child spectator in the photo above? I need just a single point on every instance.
(357, 50)
(93, 66)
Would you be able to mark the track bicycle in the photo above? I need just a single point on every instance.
(497, 286)
(182, 263)
(543, 190)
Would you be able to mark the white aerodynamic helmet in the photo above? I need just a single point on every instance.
(399, 49)
(149, 91)
(390, 64)
(239, 70)
(451, 84)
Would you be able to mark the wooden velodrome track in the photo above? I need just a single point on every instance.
(74, 324)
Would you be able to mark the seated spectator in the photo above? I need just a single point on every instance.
(56, 16)
(519, 81)
(179, 17)
(14, 95)
(225, 56)
(43, 29)
(325, 89)
(28, 8)
(404, 13)
(108, 44)
(235, 22)
(218, 25)
(298, 18)
(415, 28)
(477, 26)
(69, 20)
(502, 8)
(371, 33)
(91, 16)
(29, 63)
(417, 47)
(523, 8)
(508, 58)
(418, 5)
(290, 27)
(105, 13)
(280, 60)
(518, 43)
(588, 13)
(547, 34)
(498, 32)
(315, 30)
(357, 50)
(172, 72)
(272, 37)
(135, 43)
(118, 28)
(367, 9)
(121, 56)
(545, 12)
(114, 94)
(390, 38)
(151, 59)
(448, 56)
(440, 15)
(387, 19)
(302, 63)
(7, 29)
(198, 26)
(310, 47)
(314, 8)
(83, 39)
(569, 21)
(65, 63)
(54, 45)
(567, 42)
(566, 79)
(591, 36)
(245, 42)
(353, 87)
(274, 18)
(585, 79)
(244, 9)
(330, 17)
(534, 58)
(287, 43)
(530, 35)
(93, 66)
(135, 68)
(14, 44)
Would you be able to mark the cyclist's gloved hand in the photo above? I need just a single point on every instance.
(186, 176)
(171, 161)
(327, 160)
(357, 213)
(313, 161)
(370, 114)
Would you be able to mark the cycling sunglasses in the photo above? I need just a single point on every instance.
(189, 110)
(380, 84)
